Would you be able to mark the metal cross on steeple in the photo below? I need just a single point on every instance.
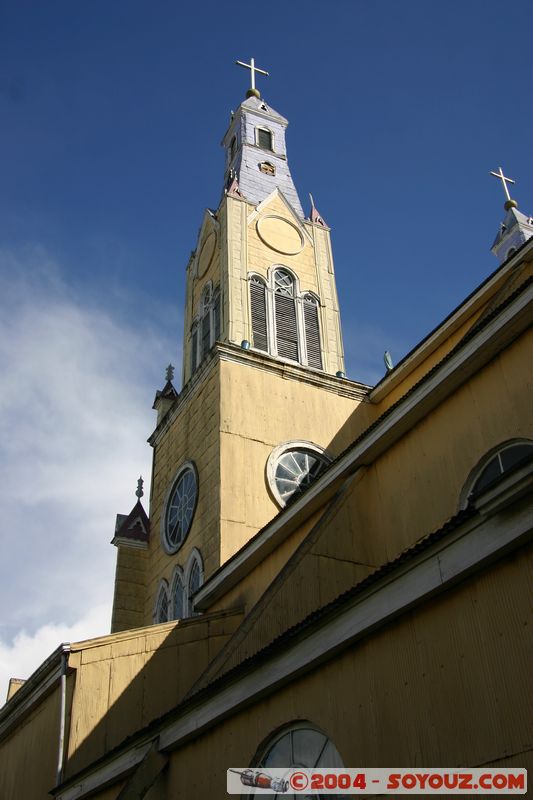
(505, 181)
(253, 69)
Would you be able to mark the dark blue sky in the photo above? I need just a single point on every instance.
(112, 115)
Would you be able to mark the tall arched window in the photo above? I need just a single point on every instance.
(312, 331)
(206, 320)
(284, 322)
(285, 315)
(216, 315)
(194, 578)
(258, 309)
(178, 595)
(194, 347)
(206, 328)
(161, 612)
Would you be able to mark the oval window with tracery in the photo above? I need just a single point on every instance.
(180, 508)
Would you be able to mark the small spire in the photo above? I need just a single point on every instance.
(509, 203)
(315, 216)
(387, 358)
(252, 91)
(139, 493)
(169, 374)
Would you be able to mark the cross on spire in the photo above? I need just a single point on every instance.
(252, 91)
(509, 202)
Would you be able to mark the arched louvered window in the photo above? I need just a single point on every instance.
(285, 315)
(206, 320)
(259, 313)
(216, 315)
(312, 331)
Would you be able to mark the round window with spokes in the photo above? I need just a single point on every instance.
(180, 507)
(293, 467)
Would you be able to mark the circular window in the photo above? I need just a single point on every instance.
(180, 509)
(292, 467)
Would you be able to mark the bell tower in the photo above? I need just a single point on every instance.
(263, 386)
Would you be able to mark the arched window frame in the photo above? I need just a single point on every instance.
(299, 298)
(195, 559)
(168, 545)
(178, 588)
(270, 132)
(296, 445)
(209, 317)
(324, 751)
(468, 489)
(162, 597)
(258, 280)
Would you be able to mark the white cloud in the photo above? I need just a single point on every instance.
(26, 652)
(76, 390)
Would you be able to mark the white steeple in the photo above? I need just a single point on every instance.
(256, 155)
(516, 227)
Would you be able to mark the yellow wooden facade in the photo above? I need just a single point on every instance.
(386, 606)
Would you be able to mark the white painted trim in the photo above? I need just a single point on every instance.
(469, 548)
(280, 450)
(106, 774)
(469, 359)
(135, 544)
(476, 471)
(266, 202)
(185, 465)
(289, 370)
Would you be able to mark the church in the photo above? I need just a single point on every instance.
(326, 573)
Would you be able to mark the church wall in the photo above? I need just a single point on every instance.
(415, 486)
(442, 685)
(250, 588)
(123, 682)
(28, 757)
(130, 588)
(260, 410)
(247, 252)
(193, 435)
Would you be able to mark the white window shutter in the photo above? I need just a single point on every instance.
(312, 332)
(259, 317)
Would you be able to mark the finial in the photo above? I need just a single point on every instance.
(169, 374)
(252, 91)
(139, 493)
(509, 203)
(387, 358)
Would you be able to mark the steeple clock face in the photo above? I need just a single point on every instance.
(181, 506)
